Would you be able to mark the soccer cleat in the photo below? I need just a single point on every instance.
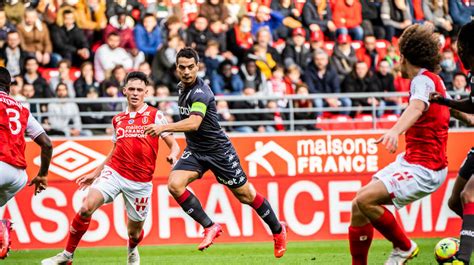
(210, 234)
(399, 257)
(5, 241)
(280, 241)
(133, 257)
(457, 262)
(60, 259)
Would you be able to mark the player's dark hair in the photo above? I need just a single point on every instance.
(466, 45)
(459, 74)
(136, 75)
(113, 33)
(5, 80)
(421, 47)
(188, 52)
(67, 12)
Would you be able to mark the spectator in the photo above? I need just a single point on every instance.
(224, 114)
(386, 83)
(118, 75)
(148, 36)
(278, 87)
(396, 17)
(202, 73)
(288, 10)
(252, 77)
(265, 17)
(316, 41)
(86, 81)
(369, 54)
(317, 16)
(161, 9)
(212, 59)
(28, 91)
(69, 40)
(343, 57)
(163, 66)
(122, 25)
(169, 108)
(32, 76)
(109, 55)
(303, 103)
(173, 27)
(5, 27)
(198, 35)
(35, 39)
(322, 79)
(236, 10)
(15, 92)
(15, 10)
(295, 52)
(292, 78)
(225, 82)
(93, 94)
(416, 8)
(437, 11)
(189, 11)
(392, 57)
(264, 60)
(448, 68)
(61, 114)
(12, 56)
(132, 8)
(239, 38)
(64, 77)
(264, 39)
(347, 15)
(251, 104)
(216, 33)
(459, 12)
(401, 84)
(459, 86)
(362, 81)
(145, 68)
(216, 10)
(371, 21)
(90, 15)
(111, 90)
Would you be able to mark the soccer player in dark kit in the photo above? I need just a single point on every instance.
(462, 198)
(208, 148)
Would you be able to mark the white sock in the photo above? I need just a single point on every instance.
(68, 254)
(130, 250)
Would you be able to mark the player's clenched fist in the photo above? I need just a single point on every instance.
(153, 129)
(389, 140)
(436, 97)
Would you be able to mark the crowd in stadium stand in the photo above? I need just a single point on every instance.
(84, 48)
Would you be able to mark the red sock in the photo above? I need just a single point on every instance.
(133, 243)
(78, 228)
(360, 238)
(389, 228)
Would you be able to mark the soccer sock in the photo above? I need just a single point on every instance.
(133, 243)
(78, 228)
(467, 233)
(193, 208)
(265, 211)
(389, 228)
(360, 238)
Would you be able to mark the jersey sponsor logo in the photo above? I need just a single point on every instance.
(132, 131)
(141, 203)
(71, 160)
(184, 110)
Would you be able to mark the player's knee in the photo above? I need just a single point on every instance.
(134, 235)
(86, 211)
(176, 188)
(467, 196)
(453, 202)
(362, 203)
(244, 198)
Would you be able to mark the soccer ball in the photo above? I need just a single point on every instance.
(446, 250)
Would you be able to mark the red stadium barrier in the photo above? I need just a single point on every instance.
(309, 179)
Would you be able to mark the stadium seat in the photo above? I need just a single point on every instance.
(387, 121)
(364, 122)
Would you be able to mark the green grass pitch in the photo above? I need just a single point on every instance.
(320, 252)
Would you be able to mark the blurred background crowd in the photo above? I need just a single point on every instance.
(84, 49)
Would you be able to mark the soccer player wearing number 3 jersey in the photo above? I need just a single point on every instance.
(127, 170)
(208, 148)
(15, 120)
(421, 169)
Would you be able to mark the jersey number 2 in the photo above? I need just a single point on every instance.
(14, 121)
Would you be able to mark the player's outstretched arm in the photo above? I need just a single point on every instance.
(466, 118)
(174, 149)
(86, 180)
(412, 113)
(463, 105)
(41, 181)
(189, 124)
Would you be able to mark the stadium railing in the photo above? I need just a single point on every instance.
(329, 120)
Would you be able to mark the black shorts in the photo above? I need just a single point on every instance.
(224, 163)
(467, 167)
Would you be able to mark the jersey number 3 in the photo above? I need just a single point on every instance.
(14, 121)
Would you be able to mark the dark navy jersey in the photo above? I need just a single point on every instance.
(199, 100)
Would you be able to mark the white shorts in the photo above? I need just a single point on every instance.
(12, 180)
(407, 182)
(137, 195)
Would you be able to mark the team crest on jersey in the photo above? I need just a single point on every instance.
(145, 120)
(131, 121)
